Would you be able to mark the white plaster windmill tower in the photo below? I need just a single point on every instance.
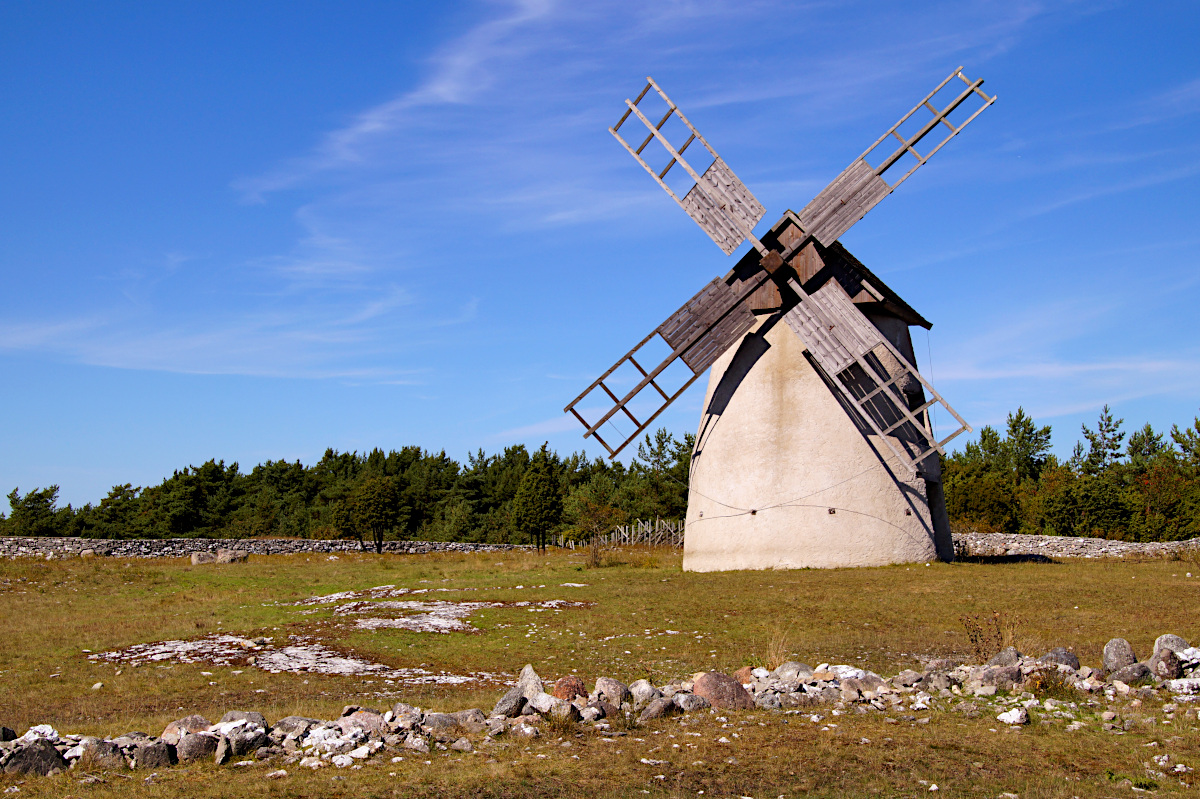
(815, 447)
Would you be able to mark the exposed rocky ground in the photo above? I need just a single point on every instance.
(1053, 689)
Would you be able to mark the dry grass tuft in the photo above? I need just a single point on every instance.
(991, 633)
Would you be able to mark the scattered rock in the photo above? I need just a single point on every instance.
(906, 678)
(471, 720)
(1009, 656)
(251, 716)
(1165, 665)
(193, 746)
(1171, 642)
(613, 691)
(176, 729)
(722, 691)
(643, 693)
(690, 703)
(159, 754)
(275, 775)
(1117, 655)
(1061, 656)
(792, 671)
(659, 707)
(36, 757)
(223, 752)
(102, 754)
(1130, 674)
(462, 745)
(295, 726)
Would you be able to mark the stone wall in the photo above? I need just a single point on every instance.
(1052, 546)
(183, 547)
(965, 545)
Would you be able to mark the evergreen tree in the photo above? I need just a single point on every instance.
(537, 507)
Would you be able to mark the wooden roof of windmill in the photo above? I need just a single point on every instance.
(815, 264)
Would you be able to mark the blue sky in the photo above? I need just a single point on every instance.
(252, 231)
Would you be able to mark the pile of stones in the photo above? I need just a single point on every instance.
(1007, 682)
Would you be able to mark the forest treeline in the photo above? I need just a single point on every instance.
(411, 494)
(1142, 487)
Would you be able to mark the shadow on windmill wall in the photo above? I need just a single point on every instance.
(753, 347)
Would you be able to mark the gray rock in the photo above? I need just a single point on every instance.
(471, 720)
(268, 752)
(907, 678)
(1060, 657)
(193, 723)
(542, 703)
(442, 726)
(1131, 673)
(564, 712)
(159, 754)
(792, 671)
(511, 703)
(643, 693)
(937, 681)
(462, 745)
(768, 700)
(1117, 655)
(295, 726)
(1171, 642)
(232, 555)
(196, 746)
(251, 716)
(224, 750)
(658, 708)
(405, 717)
(199, 558)
(689, 703)
(1165, 665)
(1009, 656)
(366, 720)
(102, 754)
(416, 743)
(613, 691)
(529, 682)
(607, 709)
(36, 757)
(1003, 678)
(722, 691)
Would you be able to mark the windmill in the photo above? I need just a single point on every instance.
(816, 445)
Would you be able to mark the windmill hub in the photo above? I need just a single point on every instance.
(826, 410)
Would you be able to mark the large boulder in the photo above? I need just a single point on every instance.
(1009, 656)
(643, 693)
(195, 746)
(38, 756)
(1171, 642)
(471, 720)
(722, 691)
(176, 729)
(567, 688)
(1117, 655)
(158, 754)
(232, 555)
(296, 726)
(1165, 665)
(102, 754)
(658, 708)
(612, 691)
(792, 672)
(529, 682)
(1060, 656)
(689, 703)
(1132, 673)
(200, 558)
(367, 720)
(251, 716)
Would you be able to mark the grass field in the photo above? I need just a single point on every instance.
(643, 618)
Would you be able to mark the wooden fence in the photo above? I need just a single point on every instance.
(657, 533)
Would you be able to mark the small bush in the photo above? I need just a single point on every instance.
(988, 634)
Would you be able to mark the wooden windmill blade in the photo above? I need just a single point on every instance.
(848, 349)
(707, 325)
(860, 186)
(718, 201)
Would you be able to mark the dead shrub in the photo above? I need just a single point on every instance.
(988, 634)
